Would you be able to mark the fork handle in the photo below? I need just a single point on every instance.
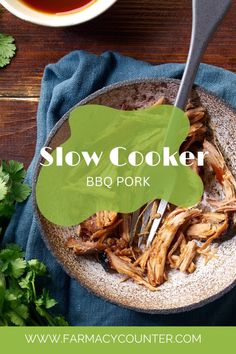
(207, 14)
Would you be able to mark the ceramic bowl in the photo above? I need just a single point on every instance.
(19, 9)
(181, 292)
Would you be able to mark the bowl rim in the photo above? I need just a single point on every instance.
(50, 20)
(36, 211)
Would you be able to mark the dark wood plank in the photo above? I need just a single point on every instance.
(17, 129)
(156, 31)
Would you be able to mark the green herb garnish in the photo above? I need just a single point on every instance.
(7, 49)
(21, 304)
(12, 189)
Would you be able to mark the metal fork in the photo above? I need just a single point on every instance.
(207, 14)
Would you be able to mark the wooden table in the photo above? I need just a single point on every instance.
(157, 31)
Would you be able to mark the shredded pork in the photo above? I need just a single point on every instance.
(184, 235)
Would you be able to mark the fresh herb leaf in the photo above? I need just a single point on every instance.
(15, 169)
(60, 321)
(7, 209)
(3, 188)
(17, 267)
(14, 318)
(37, 267)
(11, 252)
(22, 310)
(20, 192)
(21, 303)
(7, 49)
(45, 301)
(12, 187)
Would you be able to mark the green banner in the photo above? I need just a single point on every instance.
(112, 340)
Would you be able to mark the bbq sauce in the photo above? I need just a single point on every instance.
(57, 6)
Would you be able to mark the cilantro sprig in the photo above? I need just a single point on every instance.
(7, 49)
(12, 188)
(21, 303)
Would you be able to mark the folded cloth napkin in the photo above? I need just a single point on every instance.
(64, 84)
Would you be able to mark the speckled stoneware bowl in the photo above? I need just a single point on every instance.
(181, 292)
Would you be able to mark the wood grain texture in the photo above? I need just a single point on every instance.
(157, 31)
(17, 129)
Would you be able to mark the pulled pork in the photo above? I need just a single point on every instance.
(184, 234)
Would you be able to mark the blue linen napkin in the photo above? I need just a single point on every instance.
(64, 84)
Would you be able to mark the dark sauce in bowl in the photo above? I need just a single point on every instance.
(57, 6)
